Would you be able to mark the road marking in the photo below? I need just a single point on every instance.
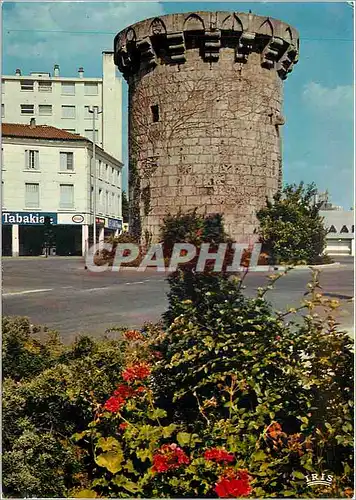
(23, 292)
(94, 289)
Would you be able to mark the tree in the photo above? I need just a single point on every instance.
(125, 207)
(291, 228)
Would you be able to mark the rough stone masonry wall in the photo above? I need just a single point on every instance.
(216, 144)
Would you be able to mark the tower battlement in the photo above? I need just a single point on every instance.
(166, 40)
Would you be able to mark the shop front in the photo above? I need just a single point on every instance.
(24, 232)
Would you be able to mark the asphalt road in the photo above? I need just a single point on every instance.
(59, 293)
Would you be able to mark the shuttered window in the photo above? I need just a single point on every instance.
(45, 86)
(66, 196)
(68, 88)
(100, 200)
(32, 159)
(91, 88)
(45, 109)
(27, 109)
(27, 85)
(113, 208)
(68, 111)
(107, 202)
(66, 161)
(32, 195)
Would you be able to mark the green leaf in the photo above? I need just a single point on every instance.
(86, 494)
(183, 438)
(144, 454)
(259, 456)
(289, 493)
(108, 444)
(299, 475)
(111, 460)
(168, 430)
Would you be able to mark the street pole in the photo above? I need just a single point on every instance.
(94, 110)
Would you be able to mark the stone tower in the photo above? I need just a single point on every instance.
(205, 100)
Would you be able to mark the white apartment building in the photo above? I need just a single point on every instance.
(48, 172)
(64, 102)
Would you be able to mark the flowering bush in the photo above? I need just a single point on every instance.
(241, 401)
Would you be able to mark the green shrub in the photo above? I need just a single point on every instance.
(291, 229)
(47, 401)
(23, 353)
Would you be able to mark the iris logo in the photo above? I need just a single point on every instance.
(315, 479)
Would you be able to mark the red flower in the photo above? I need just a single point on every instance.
(169, 456)
(133, 335)
(138, 371)
(114, 404)
(119, 397)
(217, 455)
(123, 426)
(199, 232)
(234, 487)
(124, 391)
(157, 354)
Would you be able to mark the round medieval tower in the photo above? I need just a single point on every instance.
(205, 100)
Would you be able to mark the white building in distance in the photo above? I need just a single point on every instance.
(48, 172)
(63, 102)
(340, 224)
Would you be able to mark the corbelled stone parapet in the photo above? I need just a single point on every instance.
(166, 40)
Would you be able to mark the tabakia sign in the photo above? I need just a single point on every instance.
(114, 224)
(28, 218)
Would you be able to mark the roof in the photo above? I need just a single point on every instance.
(38, 132)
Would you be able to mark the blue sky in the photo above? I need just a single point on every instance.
(318, 105)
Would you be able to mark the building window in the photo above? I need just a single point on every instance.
(27, 109)
(112, 176)
(106, 172)
(68, 88)
(66, 197)
(45, 86)
(89, 134)
(2, 194)
(107, 202)
(352, 228)
(90, 88)
(344, 229)
(68, 111)
(27, 85)
(113, 203)
(32, 195)
(66, 161)
(32, 159)
(100, 200)
(45, 110)
(2, 157)
(155, 113)
(2, 110)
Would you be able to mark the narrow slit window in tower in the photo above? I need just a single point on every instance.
(155, 113)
